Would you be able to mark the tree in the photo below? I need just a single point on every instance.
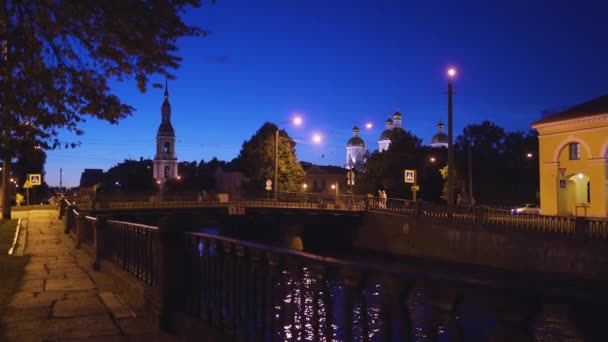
(30, 160)
(487, 141)
(131, 176)
(385, 169)
(57, 58)
(504, 164)
(257, 159)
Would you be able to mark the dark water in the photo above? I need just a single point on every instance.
(473, 319)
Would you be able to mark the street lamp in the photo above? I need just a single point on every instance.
(451, 74)
(335, 187)
(297, 120)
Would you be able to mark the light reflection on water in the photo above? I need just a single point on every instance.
(472, 320)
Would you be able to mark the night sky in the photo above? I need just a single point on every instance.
(340, 63)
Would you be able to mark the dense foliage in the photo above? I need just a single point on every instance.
(504, 166)
(257, 160)
(57, 57)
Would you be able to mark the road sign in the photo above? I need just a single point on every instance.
(35, 179)
(268, 184)
(27, 184)
(350, 175)
(410, 176)
(415, 188)
(562, 171)
(562, 183)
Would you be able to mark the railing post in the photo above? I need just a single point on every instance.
(169, 271)
(581, 228)
(417, 208)
(81, 220)
(99, 238)
(68, 218)
(62, 208)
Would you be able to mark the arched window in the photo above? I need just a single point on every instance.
(167, 147)
(166, 171)
(574, 151)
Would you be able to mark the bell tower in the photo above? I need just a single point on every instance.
(165, 160)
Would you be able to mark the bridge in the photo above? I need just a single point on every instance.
(255, 292)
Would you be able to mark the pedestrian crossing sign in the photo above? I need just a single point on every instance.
(35, 179)
(410, 176)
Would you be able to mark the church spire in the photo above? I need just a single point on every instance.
(166, 108)
(166, 90)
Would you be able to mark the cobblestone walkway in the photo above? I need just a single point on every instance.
(61, 298)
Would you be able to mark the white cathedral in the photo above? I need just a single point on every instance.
(165, 160)
(355, 146)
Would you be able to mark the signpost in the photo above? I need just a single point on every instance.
(350, 180)
(410, 177)
(268, 188)
(33, 179)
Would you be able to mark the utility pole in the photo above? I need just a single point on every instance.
(470, 173)
(60, 178)
(451, 73)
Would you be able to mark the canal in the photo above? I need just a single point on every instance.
(486, 305)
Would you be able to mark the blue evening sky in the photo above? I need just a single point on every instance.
(341, 63)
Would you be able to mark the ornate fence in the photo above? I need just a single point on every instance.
(255, 292)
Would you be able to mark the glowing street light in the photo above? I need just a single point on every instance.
(317, 138)
(451, 74)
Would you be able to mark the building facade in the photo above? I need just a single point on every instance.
(440, 139)
(385, 137)
(355, 150)
(573, 153)
(165, 159)
(325, 180)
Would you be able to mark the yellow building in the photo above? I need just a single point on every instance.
(573, 160)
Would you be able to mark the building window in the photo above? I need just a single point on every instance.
(575, 151)
(167, 147)
(166, 171)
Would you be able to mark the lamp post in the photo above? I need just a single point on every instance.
(335, 187)
(470, 173)
(451, 74)
(297, 121)
(276, 164)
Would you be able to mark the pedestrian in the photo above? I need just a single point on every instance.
(384, 199)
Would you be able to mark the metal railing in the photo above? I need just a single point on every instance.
(480, 215)
(256, 292)
(130, 245)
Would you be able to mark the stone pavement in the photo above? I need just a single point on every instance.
(61, 298)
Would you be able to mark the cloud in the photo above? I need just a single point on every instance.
(220, 60)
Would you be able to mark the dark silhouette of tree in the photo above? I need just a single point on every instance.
(504, 166)
(57, 57)
(195, 178)
(257, 159)
(30, 160)
(385, 170)
(131, 177)
(502, 172)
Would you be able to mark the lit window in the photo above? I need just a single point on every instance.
(575, 151)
